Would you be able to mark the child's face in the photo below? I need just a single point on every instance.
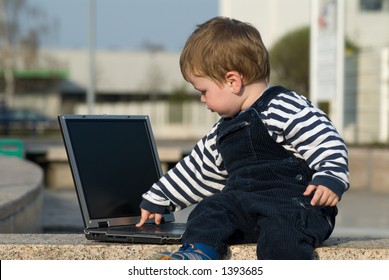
(218, 98)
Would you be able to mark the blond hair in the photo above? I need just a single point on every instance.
(223, 44)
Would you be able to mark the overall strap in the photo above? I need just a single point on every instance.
(269, 95)
(276, 90)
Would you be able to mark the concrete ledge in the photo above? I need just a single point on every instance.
(21, 200)
(77, 247)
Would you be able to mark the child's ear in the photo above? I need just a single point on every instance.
(234, 80)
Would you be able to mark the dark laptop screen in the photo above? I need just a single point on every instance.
(115, 163)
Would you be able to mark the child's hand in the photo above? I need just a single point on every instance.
(323, 196)
(146, 215)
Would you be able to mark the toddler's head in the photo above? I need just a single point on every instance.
(222, 44)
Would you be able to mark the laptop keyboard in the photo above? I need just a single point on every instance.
(152, 228)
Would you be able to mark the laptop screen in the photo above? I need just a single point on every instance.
(116, 162)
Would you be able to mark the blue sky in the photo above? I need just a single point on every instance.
(126, 24)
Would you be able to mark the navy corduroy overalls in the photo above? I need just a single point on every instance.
(263, 198)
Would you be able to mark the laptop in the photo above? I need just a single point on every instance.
(114, 160)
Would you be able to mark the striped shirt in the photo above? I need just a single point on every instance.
(292, 121)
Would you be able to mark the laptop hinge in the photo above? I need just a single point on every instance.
(103, 224)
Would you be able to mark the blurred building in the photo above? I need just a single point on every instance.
(366, 78)
(127, 82)
(150, 82)
(366, 21)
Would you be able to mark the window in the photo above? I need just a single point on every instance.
(371, 5)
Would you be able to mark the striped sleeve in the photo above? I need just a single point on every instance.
(307, 132)
(195, 177)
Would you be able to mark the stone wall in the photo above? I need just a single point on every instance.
(77, 247)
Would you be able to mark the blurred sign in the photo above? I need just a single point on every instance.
(324, 48)
(327, 55)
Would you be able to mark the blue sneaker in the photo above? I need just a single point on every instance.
(188, 252)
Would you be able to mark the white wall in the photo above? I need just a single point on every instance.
(192, 119)
(274, 18)
(369, 29)
(124, 71)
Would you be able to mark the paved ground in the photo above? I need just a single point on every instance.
(361, 214)
(61, 212)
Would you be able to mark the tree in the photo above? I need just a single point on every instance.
(289, 58)
(21, 29)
